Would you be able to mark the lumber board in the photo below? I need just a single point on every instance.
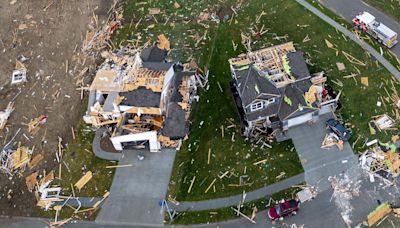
(84, 179)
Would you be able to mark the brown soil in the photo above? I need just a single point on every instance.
(106, 145)
(49, 42)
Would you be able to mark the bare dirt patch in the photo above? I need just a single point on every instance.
(49, 33)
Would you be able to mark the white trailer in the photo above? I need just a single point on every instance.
(366, 22)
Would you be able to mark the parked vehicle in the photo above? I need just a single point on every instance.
(282, 209)
(338, 128)
(367, 23)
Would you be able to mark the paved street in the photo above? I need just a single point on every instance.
(349, 8)
(137, 190)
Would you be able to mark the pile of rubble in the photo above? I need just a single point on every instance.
(331, 139)
(344, 189)
(4, 115)
(14, 160)
(99, 37)
(382, 162)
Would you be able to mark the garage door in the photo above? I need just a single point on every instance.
(299, 120)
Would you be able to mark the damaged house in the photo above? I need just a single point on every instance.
(274, 90)
(142, 98)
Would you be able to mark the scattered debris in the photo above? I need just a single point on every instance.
(328, 44)
(340, 66)
(83, 181)
(306, 194)
(4, 115)
(34, 125)
(344, 189)
(364, 81)
(352, 59)
(383, 122)
(379, 213)
(19, 74)
(380, 163)
(12, 160)
(331, 139)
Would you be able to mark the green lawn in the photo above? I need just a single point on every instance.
(391, 7)
(223, 214)
(217, 109)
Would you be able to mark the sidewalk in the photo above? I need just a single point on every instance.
(233, 200)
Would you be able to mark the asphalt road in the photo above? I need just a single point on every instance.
(349, 8)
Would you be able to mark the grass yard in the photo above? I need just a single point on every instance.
(211, 45)
(223, 214)
(391, 7)
(79, 158)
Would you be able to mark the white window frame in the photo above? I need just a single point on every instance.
(271, 100)
(257, 106)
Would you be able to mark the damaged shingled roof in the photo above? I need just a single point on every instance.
(253, 85)
(175, 126)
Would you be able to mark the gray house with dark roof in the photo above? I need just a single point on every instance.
(274, 90)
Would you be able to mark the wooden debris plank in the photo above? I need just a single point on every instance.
(83, 181)
(260, 162)
(353, 59)
(100, 201)
(191, 184)
(380, 212)
(212, 183)
(31, 181)
(35, 161)
(243, 215)
(85, 210)
(224, 174)
(209, 156)
(118, 166)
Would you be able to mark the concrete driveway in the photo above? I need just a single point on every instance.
(349, 8)
(136, 191)
(319, 163)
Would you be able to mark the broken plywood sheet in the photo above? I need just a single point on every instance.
(83, 181)
(163, 42)
(380, 212)
(154, 11)
(364, 81)
(35, 161)
(340, 66)
(105, 81)
(31, 181)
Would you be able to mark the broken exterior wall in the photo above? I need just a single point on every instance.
(135, 93)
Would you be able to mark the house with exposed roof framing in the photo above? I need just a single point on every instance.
(142, 99)
(274, 90)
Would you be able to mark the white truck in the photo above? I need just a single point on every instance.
(366, 22)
